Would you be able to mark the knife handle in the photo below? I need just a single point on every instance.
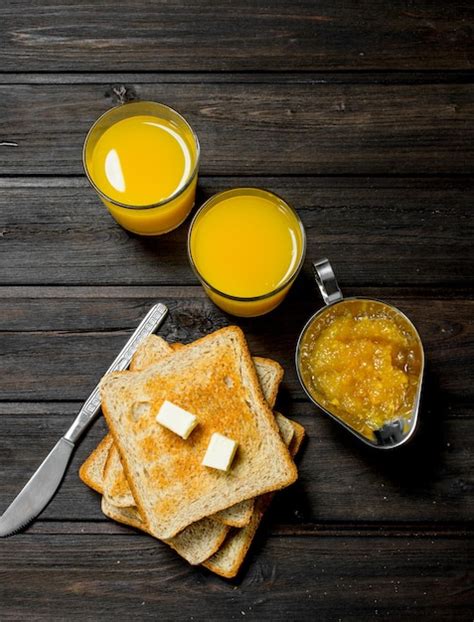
(91, 407)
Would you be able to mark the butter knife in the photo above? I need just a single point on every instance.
(40, 489)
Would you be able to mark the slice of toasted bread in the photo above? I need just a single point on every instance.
(92, 470)
(116, 487)
(287, 430)
(215, 379)
(229, 558)
(298, 438)
(151, 351)
(195, 543)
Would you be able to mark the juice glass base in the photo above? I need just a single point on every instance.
(250, 308)
(155, 220)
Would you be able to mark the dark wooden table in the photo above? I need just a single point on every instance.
(361, 115)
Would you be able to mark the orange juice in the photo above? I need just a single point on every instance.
(247, 246)
(142, 159)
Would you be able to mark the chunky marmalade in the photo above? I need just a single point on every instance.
(361, 360)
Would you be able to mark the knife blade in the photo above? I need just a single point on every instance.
(42, 486)
(40, 489)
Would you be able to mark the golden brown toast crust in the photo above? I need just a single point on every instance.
(278, 373)
(95, 464)
(298, 438)
(116, 487)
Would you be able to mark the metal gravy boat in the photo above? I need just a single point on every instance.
(394, 432)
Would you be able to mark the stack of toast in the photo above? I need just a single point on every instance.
(154, 480)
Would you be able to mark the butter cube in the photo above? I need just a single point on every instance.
(176, 419)
(220, 452)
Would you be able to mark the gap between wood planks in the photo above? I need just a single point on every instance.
(73, 180)
(453, 76)
(194, 290)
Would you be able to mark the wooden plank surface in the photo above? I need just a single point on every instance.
(377, 231)
(324, 578)
(235, 35)
(258, 129)
(56, 346)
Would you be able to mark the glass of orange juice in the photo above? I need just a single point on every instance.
(246, 246)
(142, 159)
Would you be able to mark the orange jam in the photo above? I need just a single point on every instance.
(361, 360)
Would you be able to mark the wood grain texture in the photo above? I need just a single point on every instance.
(258, 129)
(324, 578)
(429, 481)
(235, 35)
(57, 346)
(377, 231)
